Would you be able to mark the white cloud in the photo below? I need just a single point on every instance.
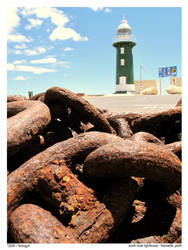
(18, 38)
(18, 52)
(64, 64)
(33, 23)
(19, 62)
(39, 12)
(20, 78)
(68, 49)
(107, 10)
(97, 8)
(26, 68)
(29, 52)
(44, 60)
(13, 19)
(57, 16)
(36, 51)
(14, 51)
(35, 70)
(20, 46)
(43, 12)
(63, 33)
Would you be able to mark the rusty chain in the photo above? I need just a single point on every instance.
(75, 172)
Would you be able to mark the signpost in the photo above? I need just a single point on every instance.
(166, 72)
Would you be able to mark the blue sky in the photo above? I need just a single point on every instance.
(72, 47)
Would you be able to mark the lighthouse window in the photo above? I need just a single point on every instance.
(122, 50)
(122, 62)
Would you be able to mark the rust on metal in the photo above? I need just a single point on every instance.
(88, 219)
(32, 224)
(151, 123)
(13, 98)
(121, 127)
(146, 137)
(151, 222)
(38, 97)
(176, 148)
(21, 127)
(73, 149)
(59, 111)
(134, 159)
(85, 110)
(129, 116)
(24, 154)
(166, 222)
(91, 187)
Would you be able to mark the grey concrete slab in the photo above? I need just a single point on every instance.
(134, 103)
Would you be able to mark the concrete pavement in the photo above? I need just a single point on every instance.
(134, 103)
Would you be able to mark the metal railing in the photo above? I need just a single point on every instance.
(129, 38)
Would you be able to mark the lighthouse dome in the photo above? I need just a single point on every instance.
(123, 26)
(123, 31)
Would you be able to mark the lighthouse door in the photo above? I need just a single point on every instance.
(122, 80)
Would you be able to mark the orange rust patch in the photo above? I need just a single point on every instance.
(66, 178)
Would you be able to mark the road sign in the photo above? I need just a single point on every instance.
(168, 71)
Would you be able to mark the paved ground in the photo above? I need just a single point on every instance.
(134, 103)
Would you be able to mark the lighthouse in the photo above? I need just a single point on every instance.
(124, 59)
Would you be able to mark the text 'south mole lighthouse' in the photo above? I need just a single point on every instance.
(124, 58)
